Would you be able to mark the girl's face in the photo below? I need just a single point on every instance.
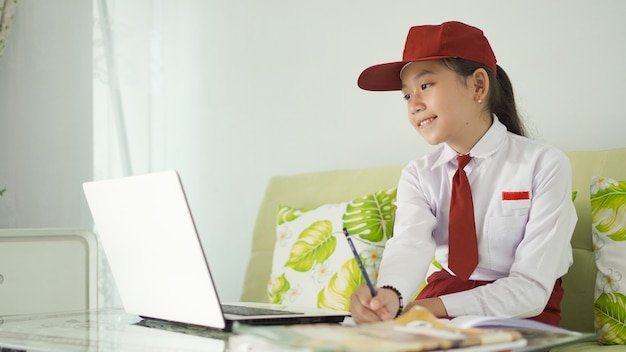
(444, 107)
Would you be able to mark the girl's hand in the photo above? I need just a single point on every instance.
(434, 305)
(364, 308)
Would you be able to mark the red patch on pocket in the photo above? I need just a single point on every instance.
(515, 195)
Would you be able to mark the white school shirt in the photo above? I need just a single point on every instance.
(523, 244)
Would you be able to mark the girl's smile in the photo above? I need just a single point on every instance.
(426, 121)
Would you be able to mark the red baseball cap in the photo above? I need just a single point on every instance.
(431, 42)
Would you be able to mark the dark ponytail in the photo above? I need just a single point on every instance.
(501, 98)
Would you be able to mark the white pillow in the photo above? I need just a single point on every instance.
(313, 265)
(608, 217)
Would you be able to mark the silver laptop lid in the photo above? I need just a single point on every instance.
(155, 255)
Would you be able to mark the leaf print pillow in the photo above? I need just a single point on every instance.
(312, 263)
(608, 218)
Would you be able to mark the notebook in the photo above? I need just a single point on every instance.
(148, 235)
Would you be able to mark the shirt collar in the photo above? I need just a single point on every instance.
(488, 144)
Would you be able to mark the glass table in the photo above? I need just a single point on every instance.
(104, 330)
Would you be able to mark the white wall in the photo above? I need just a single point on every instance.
(272, 90)
(45, 115)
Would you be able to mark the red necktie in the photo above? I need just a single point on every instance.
(462, 243)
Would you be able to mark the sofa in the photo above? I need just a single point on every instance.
(309, 190)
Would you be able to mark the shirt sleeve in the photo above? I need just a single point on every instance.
(543, 255)
(409, 252)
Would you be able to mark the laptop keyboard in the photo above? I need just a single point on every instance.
(248, 311)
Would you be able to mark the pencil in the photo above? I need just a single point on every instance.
(357, 257)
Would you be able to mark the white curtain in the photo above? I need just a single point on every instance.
(7, 11)
(126, 102)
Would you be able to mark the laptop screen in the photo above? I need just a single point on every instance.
(150, 240)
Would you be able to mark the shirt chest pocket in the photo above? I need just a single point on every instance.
(503, 235)
(515, 203)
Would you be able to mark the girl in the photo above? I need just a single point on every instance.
(518, 233)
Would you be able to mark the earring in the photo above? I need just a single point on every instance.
(480, 101)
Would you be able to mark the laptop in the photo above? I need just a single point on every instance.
(148, 235)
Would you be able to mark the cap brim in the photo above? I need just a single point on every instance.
(382, 77)
(386, 77)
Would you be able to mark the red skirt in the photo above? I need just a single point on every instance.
(442, 282)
